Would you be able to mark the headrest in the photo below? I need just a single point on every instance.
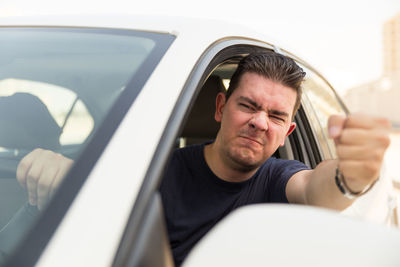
(201, 122)
(26, 123)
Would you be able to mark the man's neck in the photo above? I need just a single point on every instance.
(221, 168)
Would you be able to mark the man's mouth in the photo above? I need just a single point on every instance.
(253, 139)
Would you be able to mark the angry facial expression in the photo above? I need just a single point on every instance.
(255, 121)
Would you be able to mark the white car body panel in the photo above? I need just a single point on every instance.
(296, 236)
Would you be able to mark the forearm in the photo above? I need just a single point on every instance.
(321, 189)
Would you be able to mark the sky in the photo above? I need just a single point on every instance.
(342, 38)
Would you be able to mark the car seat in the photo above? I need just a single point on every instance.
(26, 123)
(201, 125)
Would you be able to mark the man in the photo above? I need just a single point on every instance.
(205, 182)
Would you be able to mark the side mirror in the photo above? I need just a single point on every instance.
(294, 235)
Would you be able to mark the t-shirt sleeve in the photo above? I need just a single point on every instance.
(280, 171)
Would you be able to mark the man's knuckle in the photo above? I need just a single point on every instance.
(344, 137)
(32, 177)
(384, 140)
(377, 155)
(339, 150)
(42, 184)
(351, 117)
(23, 165)
(48, 153)
(371, 167)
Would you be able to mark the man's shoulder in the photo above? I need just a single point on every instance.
(190, 156)
(188, 150)
(191, 150)
(282, 162)
(288, 166)
(183, 163)
(273, 161)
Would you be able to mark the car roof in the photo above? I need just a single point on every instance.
(205, 30)
(178, 26)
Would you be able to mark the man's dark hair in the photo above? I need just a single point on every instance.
(273, 66)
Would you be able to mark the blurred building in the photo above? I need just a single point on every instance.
(382, 96)
(391, 46)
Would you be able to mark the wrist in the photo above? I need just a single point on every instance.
(346, 190)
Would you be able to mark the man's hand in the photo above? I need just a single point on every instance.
(41, 172)
(361, 142)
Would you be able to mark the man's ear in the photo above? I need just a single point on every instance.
(219, 104)
(291, 129)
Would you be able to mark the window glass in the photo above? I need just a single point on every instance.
(320, 102)
(64, 105)
(57, 86)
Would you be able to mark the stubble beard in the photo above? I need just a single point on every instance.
(241, 159)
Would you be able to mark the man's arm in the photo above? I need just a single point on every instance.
(40, 173)
(361, 142)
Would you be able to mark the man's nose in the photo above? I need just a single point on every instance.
(259, 121)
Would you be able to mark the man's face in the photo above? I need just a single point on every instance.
(254, 121)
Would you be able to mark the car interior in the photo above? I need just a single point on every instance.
(200, 125)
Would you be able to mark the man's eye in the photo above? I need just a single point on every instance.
(245, 106)
(278, 118)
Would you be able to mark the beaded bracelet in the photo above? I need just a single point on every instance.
(344, 188)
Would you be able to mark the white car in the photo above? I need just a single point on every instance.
(117, 95)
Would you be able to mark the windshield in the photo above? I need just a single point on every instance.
(58, 87)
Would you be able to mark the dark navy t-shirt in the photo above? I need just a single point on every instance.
(195, 199)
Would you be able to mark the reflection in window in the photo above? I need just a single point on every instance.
(324, 104)
(65, 107)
